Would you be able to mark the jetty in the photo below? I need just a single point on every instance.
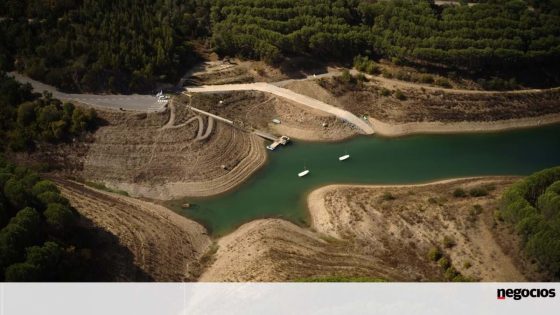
(276, 140)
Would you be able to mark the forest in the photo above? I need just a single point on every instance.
(27, 118)
(131, 45)
(533, 206)
(482, 40)
(101, 45)
(39, 233)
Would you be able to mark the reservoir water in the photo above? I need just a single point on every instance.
(277, 191)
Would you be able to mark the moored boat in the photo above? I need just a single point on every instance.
(305, 172)
(344, 157)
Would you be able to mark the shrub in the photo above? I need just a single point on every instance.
(442, 82)
(460, 278)
(22, 272)
(346, 77)
(459, 193)
(451, 273)
(387, 196)
(59, 217)
(444, 263)
(478, 192)
(426, 78)
(44, 186)
(365, 65)
(448, 241)
(385, 92)
(400, 95)
(397, 61)
(387, 74)
(477, 209)
(361, 77)
(434, 254)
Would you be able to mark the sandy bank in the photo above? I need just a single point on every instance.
(403, 129)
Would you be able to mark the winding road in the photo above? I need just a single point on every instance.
(347, 116)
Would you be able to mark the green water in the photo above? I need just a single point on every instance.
(277, 191)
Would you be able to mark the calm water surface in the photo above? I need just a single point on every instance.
(276, 190)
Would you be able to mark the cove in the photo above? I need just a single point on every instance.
(277, 191)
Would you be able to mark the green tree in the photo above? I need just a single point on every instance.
(59, 217)
(22, 272)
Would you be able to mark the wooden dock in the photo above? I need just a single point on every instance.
(276, 141)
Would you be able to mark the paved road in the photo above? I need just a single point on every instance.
(290, 95)
(136, 102)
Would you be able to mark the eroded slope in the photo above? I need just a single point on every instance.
(164, 245)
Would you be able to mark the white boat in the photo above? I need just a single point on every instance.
(301, 174)
(344, 157)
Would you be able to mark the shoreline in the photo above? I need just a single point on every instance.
(242, 252)
(436, 127)
(217, 186)
(316, 202)
(251, 164)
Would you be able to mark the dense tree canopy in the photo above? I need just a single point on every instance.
(36, 233)
(93, 45)
(492, 36)
(26, 118)
(533, 205)
(128, 45)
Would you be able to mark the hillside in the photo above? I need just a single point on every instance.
(136, 45)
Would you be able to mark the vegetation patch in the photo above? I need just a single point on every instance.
(40, 239)
(533, 206)
(101, 45)
(486, 39)
(27, 118)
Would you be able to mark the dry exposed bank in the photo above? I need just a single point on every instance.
(412, 108)
(381, 232)
(396, 129)
(278, 250)
(416, 218)
(253, 109)
(143, 155)
(164, 245)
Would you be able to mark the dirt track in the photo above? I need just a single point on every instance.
(363, 126)
(256, 110)
(165, 245)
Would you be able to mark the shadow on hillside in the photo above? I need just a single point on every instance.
(111, 261)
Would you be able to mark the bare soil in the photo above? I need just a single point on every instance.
(357, 231)
(277, 250)
(256, 110)
(405, 222)
(134, 153)
(435, 105)
(233, 70)
(164, 245)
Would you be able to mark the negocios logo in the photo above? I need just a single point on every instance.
(518, 294)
